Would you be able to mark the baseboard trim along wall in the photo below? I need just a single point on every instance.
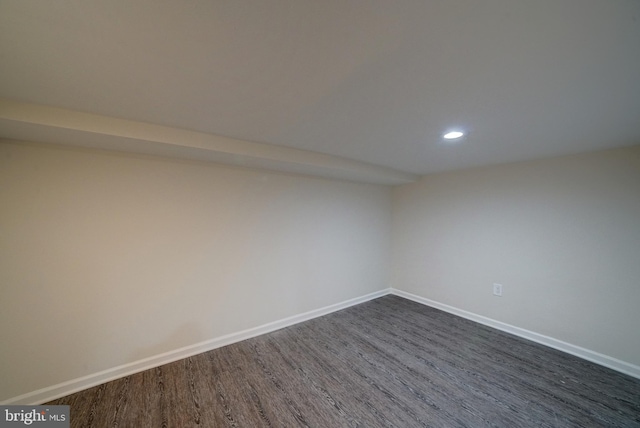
(586, 354)
(65, 388)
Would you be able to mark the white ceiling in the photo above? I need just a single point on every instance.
(377, 81)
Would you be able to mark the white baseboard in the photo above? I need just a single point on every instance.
(69, 387)
(65, 388)
(594, 357)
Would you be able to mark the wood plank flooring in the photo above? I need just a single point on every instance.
(389, 362)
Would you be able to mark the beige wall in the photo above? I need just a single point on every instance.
(562, 235)
(109, 258)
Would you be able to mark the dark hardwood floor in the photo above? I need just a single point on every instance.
(389, 362)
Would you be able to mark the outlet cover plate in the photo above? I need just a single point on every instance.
(497, 289)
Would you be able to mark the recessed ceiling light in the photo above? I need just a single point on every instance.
(453, 135)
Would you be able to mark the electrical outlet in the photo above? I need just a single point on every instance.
(497, 289)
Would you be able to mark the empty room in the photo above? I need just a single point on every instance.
(283, 213)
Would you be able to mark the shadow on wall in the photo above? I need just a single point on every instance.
(187, 334)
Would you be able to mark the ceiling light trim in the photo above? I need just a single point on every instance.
(453, 135)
